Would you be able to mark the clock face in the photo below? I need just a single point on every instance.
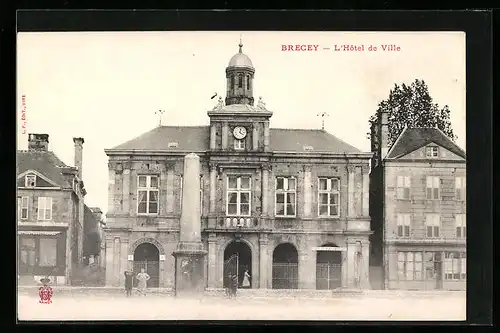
(240, 132)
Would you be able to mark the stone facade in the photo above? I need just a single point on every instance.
(238, 148)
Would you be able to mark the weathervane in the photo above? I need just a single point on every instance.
(159, 113)
(322, 115)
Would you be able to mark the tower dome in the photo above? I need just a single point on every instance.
(239, 75)
(240, 59)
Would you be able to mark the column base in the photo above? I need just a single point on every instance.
(189, 269)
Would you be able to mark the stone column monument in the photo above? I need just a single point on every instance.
(189, 254)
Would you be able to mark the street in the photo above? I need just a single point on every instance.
(161, 307)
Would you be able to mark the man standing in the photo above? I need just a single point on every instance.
(129, 277)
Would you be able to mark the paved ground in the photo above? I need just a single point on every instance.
(161, 307)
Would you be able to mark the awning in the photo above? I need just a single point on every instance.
(330, 248)
(39, 233)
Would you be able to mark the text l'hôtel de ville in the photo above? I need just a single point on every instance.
(341, 47)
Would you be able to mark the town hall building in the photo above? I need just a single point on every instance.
(291, 205)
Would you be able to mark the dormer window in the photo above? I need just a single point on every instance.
(432, 152)
(239, 144)
(30, 181)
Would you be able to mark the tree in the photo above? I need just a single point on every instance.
(412, 106)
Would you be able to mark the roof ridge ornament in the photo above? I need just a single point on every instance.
(261, 104)
(241, 45)
(220, 104)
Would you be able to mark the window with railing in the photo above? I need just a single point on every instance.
(286, 196)
(404, 223)
(433, 225)
(328, 197)
(461, 225)
(238, 196)
(147, 195)
(403, 187)
(455, 266)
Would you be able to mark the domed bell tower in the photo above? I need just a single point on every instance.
(239, 75)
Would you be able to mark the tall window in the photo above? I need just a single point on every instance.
(239, 144)
(460, 188)
(30, 181)
(45, 208)
(432, 223)
(147, 194)
(328, 197)
(403, 189)
(404, 222)
(286, 196)
(238, 195)
(432, 188)
(432, 152)
(429, 265)
(410, 266)
(248, 82)
(23, 208)
(460, 224)
(240, 81)
(232, 82)
(455, 266)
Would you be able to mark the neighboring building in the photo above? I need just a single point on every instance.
(50, 212)
(293, 204)
(420, 232)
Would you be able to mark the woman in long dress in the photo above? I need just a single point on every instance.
(246, 280)
(143, 278)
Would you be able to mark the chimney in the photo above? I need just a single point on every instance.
(79, 155)
(384, 133)
(38, 142)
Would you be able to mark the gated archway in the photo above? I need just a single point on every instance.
(237, 259)
(328, 267)
(285, 267)
(147, 256)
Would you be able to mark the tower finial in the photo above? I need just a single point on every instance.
(241, 45)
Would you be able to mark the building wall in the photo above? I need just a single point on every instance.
(124, 226)
(447, 206)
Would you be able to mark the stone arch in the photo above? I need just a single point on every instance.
(146, 240)
(229, 241)
(220, 255)
(285, 266)
(328, 267)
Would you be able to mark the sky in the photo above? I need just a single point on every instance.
(107, 86)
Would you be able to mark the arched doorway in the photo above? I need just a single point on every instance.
(285, 267)
(237, 259)
(147, 256)
(328, 268)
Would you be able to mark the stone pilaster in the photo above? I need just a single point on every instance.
(307, 191)
(255, 137)
(116, 267)
(212, 258)
(366, 190)
(265, 189)
(351, 264)
(212, 136)
(266, 136)
(225, 134)
(170, 189)
(263, 261)
(350, 190)
(126, 188)
(213, 187)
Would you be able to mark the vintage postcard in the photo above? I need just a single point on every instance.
(241, 175)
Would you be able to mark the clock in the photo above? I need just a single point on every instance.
(240, 132)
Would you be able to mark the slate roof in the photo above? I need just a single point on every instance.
(196, 138)
(412, 139)
(46, 163)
